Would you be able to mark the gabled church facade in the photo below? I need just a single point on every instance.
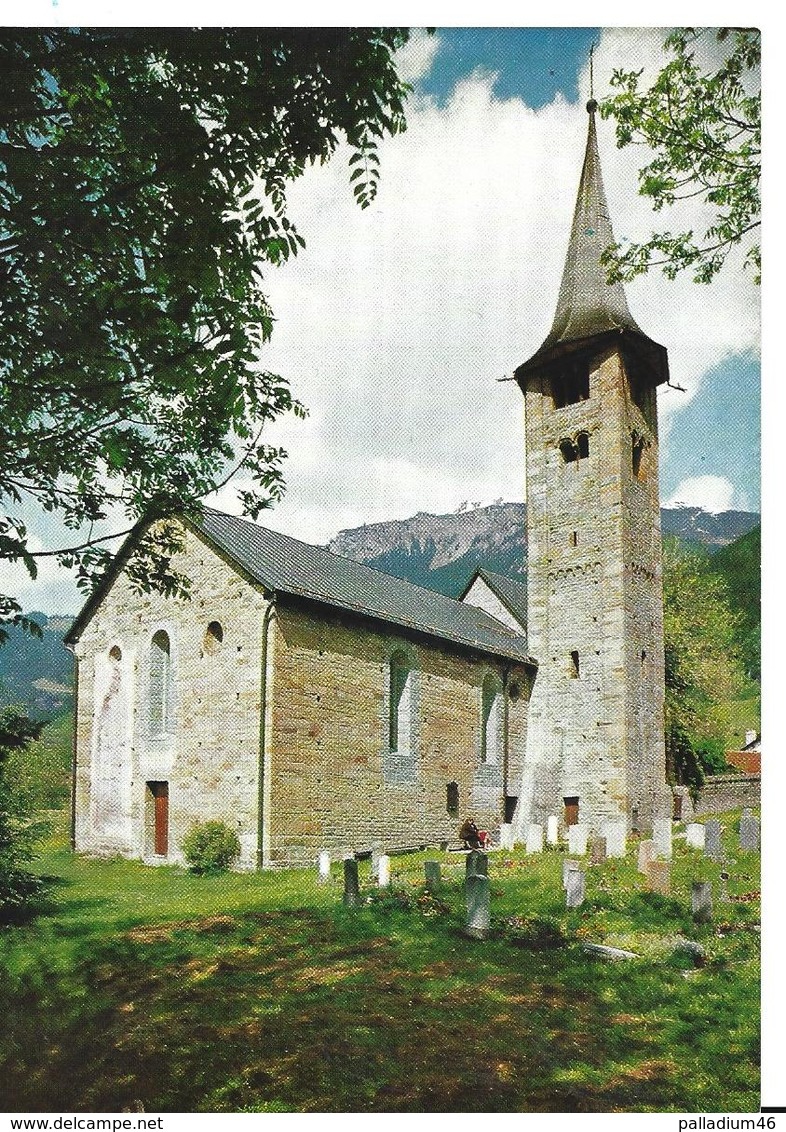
(314, 704)
(309, 702)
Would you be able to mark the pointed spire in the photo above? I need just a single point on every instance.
(588, 305)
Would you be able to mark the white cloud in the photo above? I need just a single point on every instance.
(396, 323)
(414, 60)
(713, 493)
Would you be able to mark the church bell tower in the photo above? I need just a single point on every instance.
(595, 745)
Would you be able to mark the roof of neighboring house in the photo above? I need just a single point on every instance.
(284, 565)
(512, 592)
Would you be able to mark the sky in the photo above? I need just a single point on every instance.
(396, 324)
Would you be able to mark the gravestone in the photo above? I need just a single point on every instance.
(694, 835)
(324, 866)
(477, 863)
(661, 835)
(749, 831)
(351, 888)
(659, 877)
(552, 830)
(577, 839)
(634, 820)
(476, 889)
(574, 892)
(615, 834)
(534, 839)
(597, 850)
(383, 875)
(712, 840)
(568, 867)
(701, 901)
(646, 854)
(506, 836)
(433, 875)
(376, 850)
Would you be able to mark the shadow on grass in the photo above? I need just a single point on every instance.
(303, 1010)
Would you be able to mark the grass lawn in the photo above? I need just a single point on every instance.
(262, 993)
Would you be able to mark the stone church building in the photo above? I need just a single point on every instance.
(313, 703)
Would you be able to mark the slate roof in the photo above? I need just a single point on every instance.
(588, 305)
(288, 566)
(284, 565)
(512, 592)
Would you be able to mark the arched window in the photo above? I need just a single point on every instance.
(214, 637)
(160, 713)
(569, 451)
(491, 719)
(399, 737)
(582, 444)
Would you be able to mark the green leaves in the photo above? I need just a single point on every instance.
(143, 180)
(703, 126)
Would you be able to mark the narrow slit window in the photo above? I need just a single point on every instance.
(575, 669)
(400, 704)
(160, 698)
(637, 448)
(490, 726)
(452, 801)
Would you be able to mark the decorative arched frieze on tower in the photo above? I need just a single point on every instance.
(595, 746)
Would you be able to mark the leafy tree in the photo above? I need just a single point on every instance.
(143, 177)
(739, 564)
(703, 662)
(18, 831)
(702, 120)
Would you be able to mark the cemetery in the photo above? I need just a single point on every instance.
(603, 973)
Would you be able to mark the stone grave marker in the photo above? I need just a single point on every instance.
(712, 840)
(433, 875)
(701, 901)
(568, 867)
(615, 833)
(351, 887)
(376, 850)
(749, 831)
(383, 875)
(534, 839)
(552, 830)
(506, 836)
(661, 835)
(597, 850)
(577, 839)
(574, 893)
(324, 866)
(659, 877)
(477, 863)
(694, 835)
(646, 854)
(476, 889)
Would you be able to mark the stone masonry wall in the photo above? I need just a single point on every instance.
(594, 604)
(329, 772)
(728, 792)
(209, 758)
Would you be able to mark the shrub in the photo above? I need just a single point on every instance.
(533, 933)
(210, 847)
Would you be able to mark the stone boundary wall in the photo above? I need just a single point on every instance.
(728, 792)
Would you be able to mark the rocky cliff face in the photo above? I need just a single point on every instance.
(442, 551)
